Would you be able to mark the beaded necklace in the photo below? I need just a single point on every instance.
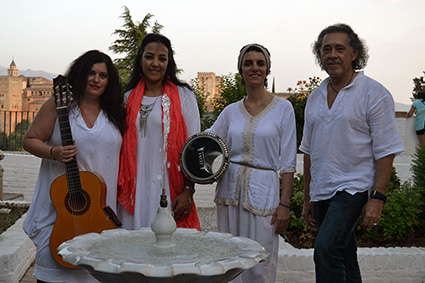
(330, 83)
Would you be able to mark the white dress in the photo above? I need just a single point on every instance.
(248, 193)
(150, 156)
(97, 146)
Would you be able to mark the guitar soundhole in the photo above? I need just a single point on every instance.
(77, 203)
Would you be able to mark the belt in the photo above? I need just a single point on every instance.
(252, 166)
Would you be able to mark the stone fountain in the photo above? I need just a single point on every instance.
(132, 256)
(162, 253)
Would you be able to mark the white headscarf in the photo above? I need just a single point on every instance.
(263, 50)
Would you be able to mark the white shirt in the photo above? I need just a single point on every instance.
(345, 141)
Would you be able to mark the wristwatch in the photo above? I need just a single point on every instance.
(377, 195)
(187, 187)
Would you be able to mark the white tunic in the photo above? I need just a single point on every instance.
(345, 142)
(266, 143)
(150, 156)
(248, 193)
(98, 151)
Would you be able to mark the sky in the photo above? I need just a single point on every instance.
(207, 35)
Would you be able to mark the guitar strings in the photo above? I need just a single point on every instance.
(72, 179)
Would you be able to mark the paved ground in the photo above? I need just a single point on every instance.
(28, 277)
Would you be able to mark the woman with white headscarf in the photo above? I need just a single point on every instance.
(261, 135)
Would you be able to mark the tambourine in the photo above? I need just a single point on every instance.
(204, 158)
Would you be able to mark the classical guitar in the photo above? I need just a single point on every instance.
(79, 197)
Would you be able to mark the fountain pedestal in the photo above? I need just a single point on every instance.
(163, 226)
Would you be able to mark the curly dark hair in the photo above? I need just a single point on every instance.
(353, 40)
(171, 71)
(111, 101)
(421, 95)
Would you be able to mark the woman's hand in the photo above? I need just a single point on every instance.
(281, 217)
(411, 111)
(64, 153)
(182, 204)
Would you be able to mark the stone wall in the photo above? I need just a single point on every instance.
(406, 129)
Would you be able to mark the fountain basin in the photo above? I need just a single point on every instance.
(120, 255)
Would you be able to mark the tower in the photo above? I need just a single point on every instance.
(12, 71)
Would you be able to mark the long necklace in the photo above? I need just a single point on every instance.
(145, 111)
(330, 83)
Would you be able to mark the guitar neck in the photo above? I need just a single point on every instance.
(72, 172)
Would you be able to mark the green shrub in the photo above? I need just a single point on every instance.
(418, 172)
(418, 167)
(401, 216)
(299, 234)
(297, 201)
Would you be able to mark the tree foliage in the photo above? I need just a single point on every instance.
(15, 139)
(201, 97)
(129, 40)
(4, 141)
(298, 100)
(419, 85)
(230, 91)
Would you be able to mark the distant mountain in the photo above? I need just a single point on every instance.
(402, 107)
(29, 73)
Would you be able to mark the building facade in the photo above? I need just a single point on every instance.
(38, 90)
(11, 87)
(21, 97)
(211, 83)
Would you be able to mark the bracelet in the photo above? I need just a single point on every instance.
(284, 205)
(51, 152)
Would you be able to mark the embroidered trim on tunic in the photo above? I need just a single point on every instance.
(244, 173)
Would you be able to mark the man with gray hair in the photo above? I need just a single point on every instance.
(349, 142)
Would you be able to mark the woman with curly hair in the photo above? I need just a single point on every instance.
(97, 122)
